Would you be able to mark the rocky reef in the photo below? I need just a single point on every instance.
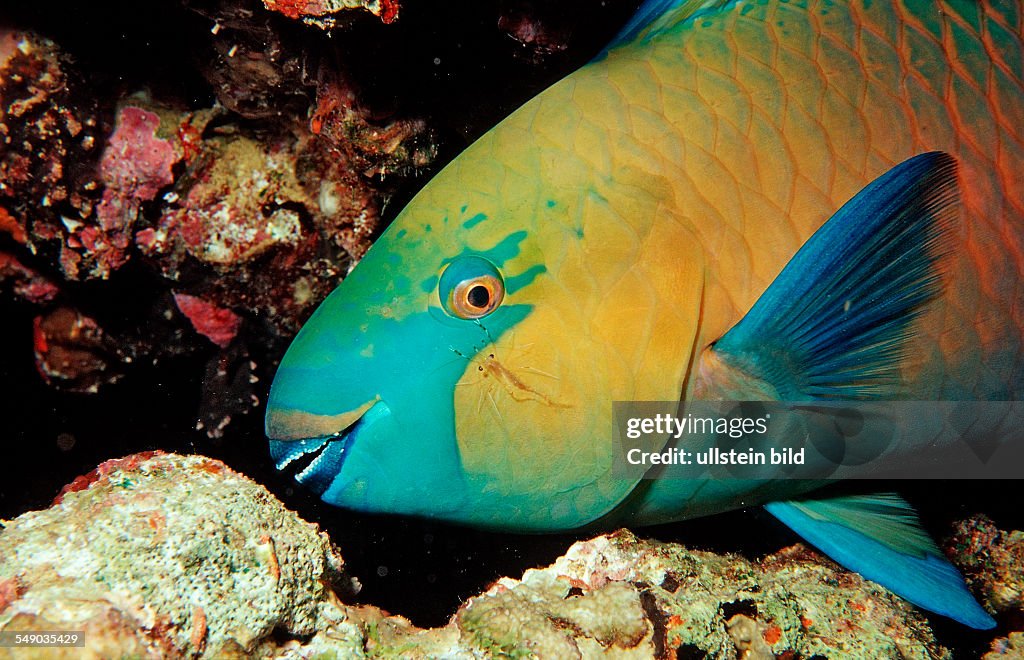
(165, 555)
(229, 180)
(161, 555)
(242, 215)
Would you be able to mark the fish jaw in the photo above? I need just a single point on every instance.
(335, 437)
(284, 425)
(325, 452)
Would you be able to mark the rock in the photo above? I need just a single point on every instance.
(252, 67)
(267, 226)
(1007, 647)
(161, 555)
(702, 603)
(229, 390)
(136, 164)
(74, 353)
(992, 561)
(224, 225)
(401, 147)
(27, 283)
(538, 36)
(50, 137)
(320, 12)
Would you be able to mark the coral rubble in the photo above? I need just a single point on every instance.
(992, 561)
(160, 555)
(72, 349)
(165, 555)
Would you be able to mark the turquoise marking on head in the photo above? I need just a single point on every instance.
(504, 251)
(514, 284)
(474, 221)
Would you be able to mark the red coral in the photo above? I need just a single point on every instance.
(290, 8)
(39, 342)
(388, 11)
(217, 324)
(10, 591)
(10, 225)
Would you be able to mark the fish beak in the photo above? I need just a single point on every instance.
(283, 424)
(320, 441)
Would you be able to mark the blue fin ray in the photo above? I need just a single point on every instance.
(881, 538)
(835, 321)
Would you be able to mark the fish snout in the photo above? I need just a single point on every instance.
(315, 445)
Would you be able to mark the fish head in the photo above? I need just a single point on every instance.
(465, 370)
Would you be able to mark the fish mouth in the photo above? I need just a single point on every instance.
(317, 458)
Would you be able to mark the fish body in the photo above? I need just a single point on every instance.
(617, 227)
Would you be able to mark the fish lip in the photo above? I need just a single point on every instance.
(291, 438)
(300, 426)
(325, 455)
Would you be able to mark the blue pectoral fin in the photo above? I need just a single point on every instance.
(879, 536)
(835, 322)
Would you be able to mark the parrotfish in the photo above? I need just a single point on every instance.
(803, 200)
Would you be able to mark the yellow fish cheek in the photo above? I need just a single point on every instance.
(523, 409)
(533, 410)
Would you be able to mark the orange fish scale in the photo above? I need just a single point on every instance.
(782, 113)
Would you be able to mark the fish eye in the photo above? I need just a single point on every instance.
(479, 296)
(470, 288)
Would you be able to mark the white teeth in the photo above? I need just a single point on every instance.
(302, 476)
(299, 452)
(312, 467)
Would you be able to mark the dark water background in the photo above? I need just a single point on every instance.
(446, 61)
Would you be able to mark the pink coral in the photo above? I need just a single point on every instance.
(217, 324)
(135, 165)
